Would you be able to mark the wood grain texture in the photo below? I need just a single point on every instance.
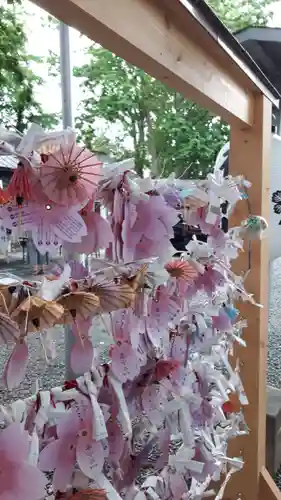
(267, 488)
(250, 155)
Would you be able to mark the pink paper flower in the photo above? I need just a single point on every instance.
(15, 367)
(125, 363)
(210, 280)
(75, 443)
(50, 224)
(99, 235)
(18, 479)
(59, 455)
(151, 227)
(125, 327)
(20, 185)
(82, 351)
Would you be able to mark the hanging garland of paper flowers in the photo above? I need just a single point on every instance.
(155, 421)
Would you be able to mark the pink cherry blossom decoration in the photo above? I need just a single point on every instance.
(16, 366)
(99, 235)
(18, 479)
(125, 363)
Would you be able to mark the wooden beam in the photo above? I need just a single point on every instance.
(250, 156)
(267, 488)
(222, 50)
(147, 34)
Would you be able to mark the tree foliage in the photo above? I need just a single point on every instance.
(166, 132)
(239, 14)
(18, 103)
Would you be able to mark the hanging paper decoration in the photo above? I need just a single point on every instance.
(171, 323)
(4, 196)
(20, 185)
(50, 224)
(254, 226)
(70, 175)
(99, 234)
(19, 479)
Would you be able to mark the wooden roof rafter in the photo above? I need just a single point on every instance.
(183, 44)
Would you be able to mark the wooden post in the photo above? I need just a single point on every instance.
(250, 156)
(267, 488)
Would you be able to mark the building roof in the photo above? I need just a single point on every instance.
(8, 163)
(264, 46)
(206, 16)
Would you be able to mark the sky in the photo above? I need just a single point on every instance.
(50, 94)
(41, 40)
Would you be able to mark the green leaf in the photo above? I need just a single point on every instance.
(18, 83)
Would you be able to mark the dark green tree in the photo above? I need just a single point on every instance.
(240, 14)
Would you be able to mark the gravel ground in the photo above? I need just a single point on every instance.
(274, 341)
(47, 375)
(38, 371)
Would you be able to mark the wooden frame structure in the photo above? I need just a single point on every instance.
(181, 43)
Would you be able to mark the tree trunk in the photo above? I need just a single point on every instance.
(140, 149)
(19, 121)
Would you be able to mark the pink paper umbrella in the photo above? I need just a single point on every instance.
(181, 270)
(70, 175)
(20, 185)
(18, 479)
